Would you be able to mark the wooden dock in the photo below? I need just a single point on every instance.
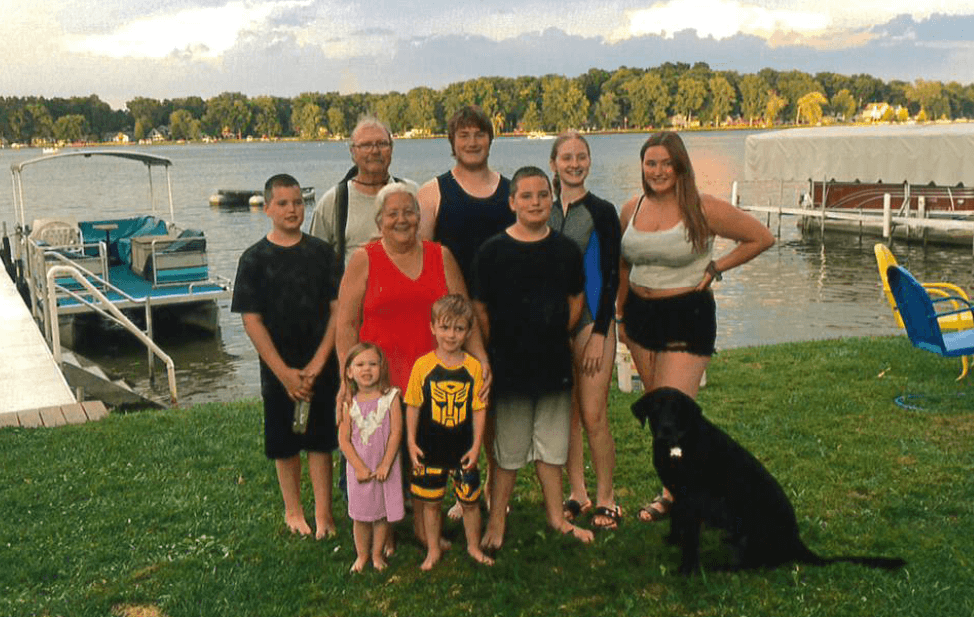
(768, 198)
(33, 392)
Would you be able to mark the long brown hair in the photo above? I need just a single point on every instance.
(687, 196)
(563, 137)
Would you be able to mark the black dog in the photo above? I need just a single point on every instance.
(716, 481)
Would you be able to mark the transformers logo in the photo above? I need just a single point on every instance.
(449, 402)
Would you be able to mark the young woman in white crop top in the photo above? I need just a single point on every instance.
(668, 315)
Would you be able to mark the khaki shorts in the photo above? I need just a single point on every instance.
(532, 429)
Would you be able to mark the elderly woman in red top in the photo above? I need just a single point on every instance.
(390, 286)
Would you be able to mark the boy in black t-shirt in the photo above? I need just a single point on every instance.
(286, 289)
(527, 290)
(445, 426)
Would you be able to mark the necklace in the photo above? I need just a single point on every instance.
(381, 183)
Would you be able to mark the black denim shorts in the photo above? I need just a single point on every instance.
(687, 322)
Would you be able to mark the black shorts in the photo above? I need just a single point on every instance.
(321, 435)
(687, 322)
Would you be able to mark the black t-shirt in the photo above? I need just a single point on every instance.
(290, 287)
(525, 287)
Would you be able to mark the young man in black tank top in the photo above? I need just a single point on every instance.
(465, 206)
(468, 204)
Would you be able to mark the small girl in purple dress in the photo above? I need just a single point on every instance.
(369, 434)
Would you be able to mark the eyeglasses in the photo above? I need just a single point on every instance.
(373, 145)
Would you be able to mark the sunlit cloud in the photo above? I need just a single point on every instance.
(198, 33)
(720, 19)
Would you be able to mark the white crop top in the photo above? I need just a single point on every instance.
(664, 259)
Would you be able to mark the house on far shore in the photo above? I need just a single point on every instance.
(119, 137)
(159, 134)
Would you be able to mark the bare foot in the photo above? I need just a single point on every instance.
(445, 545)
(455, 513)
(493, 538)
(479, 556)
(297, 524)
(584, 535)
(359, 564)
(326, 529)
(379, 562)
(390, 548)
(431, 558)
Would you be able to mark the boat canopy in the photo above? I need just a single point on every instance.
(918, 154)
(148, 159)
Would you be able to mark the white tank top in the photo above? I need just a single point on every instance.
(664, 259)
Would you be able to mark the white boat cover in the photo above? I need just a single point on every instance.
(919, 154)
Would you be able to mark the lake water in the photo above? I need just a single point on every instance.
(801, 289)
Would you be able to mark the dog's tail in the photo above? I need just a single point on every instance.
(885, 563)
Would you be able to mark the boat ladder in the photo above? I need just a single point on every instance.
(104, 307)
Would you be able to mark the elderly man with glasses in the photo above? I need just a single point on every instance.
(345, 215)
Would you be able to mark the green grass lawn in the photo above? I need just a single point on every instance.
(177, 512)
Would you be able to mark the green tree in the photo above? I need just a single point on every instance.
(810, 107)
(391, 109)
(421, 109)
(307, 119)
(563, 105)
(773, 107)
(793, 85)
(867, 89)
(929, 95)
(145, 112)
(266, 121)
(844, 105)
(72, 127)
(606, 112)
(754, 97)
(531, 120)
(722, 98)
(691, 92)
(41, 123)
(182, 125)
(336, 121)
(649, 100)
(228, 113)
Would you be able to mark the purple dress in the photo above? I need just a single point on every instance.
(373, 500)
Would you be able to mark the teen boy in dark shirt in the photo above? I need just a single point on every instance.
(285, 289)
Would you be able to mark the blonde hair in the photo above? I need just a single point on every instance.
(452, 307)
(358, 349)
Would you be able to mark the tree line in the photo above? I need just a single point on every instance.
(672, 94)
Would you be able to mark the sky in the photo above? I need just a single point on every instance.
(121, 49)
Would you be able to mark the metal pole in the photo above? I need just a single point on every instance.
(887, 216)
(922, 215)
(148, 332)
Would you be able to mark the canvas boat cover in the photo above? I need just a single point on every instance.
(918, 154)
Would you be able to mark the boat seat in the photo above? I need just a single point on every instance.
(56, 232)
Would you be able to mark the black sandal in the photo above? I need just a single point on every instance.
(649, 514)
(571, 509)
(613, 514)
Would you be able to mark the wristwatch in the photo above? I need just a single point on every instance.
(714, 272)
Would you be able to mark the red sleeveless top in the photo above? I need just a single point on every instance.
(396, 308)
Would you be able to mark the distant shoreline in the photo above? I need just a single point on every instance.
(518, 134)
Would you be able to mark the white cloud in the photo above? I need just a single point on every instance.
(200, 33)
(720, 19)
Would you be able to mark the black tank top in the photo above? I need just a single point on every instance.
(464, 222)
